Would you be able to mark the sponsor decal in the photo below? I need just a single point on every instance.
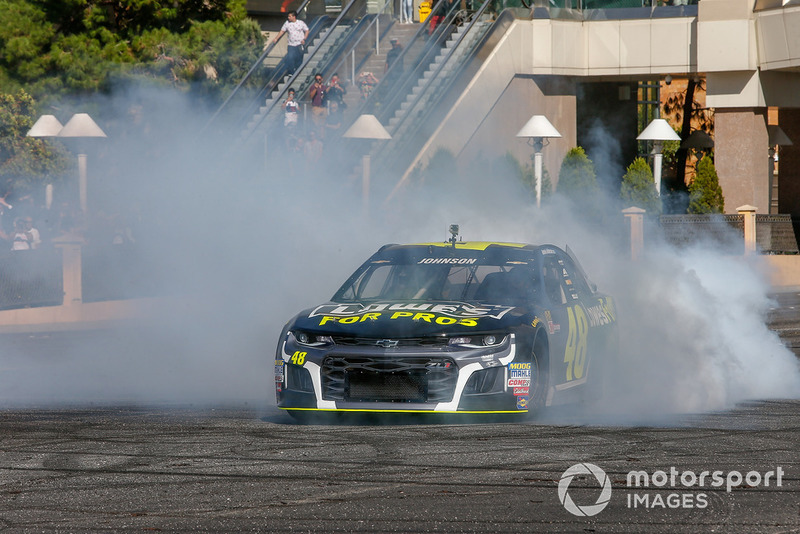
(602, 314)
(442, 314)
(279, 370)
(519, 370)
(548, 251)
(519, 382)
(522, 403)
(536, 322)
(552, 327)
(522, 391)
(458, 261)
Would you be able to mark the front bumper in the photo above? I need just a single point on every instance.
(486, 380)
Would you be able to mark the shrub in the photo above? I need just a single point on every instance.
(638, 188)
(705, 193)
(577, 179)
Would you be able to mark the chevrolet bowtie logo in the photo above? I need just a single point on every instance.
(387, 343)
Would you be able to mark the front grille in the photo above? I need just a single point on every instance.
(389, 379)
(437, 341)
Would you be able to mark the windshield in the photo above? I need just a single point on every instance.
(446, 282)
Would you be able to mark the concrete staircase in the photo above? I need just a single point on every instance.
(320, 54)
(376, 61)
(427, 94)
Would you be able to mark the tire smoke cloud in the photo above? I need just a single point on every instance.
(238, 248)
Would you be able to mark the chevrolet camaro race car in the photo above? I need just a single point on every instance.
(452, 327)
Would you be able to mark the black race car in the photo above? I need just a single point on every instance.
(451, 327)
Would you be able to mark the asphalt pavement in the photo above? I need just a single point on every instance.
(120, 467)
(228, 470)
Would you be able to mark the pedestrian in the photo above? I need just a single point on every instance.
(317, 96)
(21, 237)
(291, 110)
(34, 237)
(297, 34)
(366, 82)
(407, 12)
(333, 123)
(394, 63)
(335, 92)
(312, 150)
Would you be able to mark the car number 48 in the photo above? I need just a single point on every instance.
(575, 355)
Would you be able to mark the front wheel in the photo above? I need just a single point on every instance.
(540, 379)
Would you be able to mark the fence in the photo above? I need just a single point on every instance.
(71, 272)
(743, 233)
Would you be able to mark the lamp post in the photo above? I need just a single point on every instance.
(366, 127)
(777, 137)
(537, 130)
(46, 126)
(81, 126)
(658, 131)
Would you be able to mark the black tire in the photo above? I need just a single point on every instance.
(540, 378)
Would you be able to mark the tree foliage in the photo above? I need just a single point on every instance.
(705, 193)
(638, 188)
(61, 47)
(577, 178)
(527, 176)
(25, 162)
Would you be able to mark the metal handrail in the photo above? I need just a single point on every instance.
(318, 46)
(374, 22)
(396, 95)
(469, 69)
(247, 76)
(371, 103)
(447, 58)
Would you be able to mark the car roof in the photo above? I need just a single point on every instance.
(466, 245)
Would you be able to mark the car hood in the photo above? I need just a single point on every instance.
(408, 319)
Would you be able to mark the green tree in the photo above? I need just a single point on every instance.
(577, 178)
(26, 163)
(68, 47)
(705, 193)
(638, 188)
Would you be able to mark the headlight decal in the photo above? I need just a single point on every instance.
(316, 380)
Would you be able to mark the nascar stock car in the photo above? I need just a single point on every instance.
(451, 327)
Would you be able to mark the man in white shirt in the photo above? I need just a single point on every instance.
(298, 33)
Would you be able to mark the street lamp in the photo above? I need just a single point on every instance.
(777, 137)
(46, 126)
(366, 127)
(537, 130)
(81, 126)
(658, 131)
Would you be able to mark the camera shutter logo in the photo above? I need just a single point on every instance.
(602, 500)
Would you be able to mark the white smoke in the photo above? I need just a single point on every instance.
(241, 248)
